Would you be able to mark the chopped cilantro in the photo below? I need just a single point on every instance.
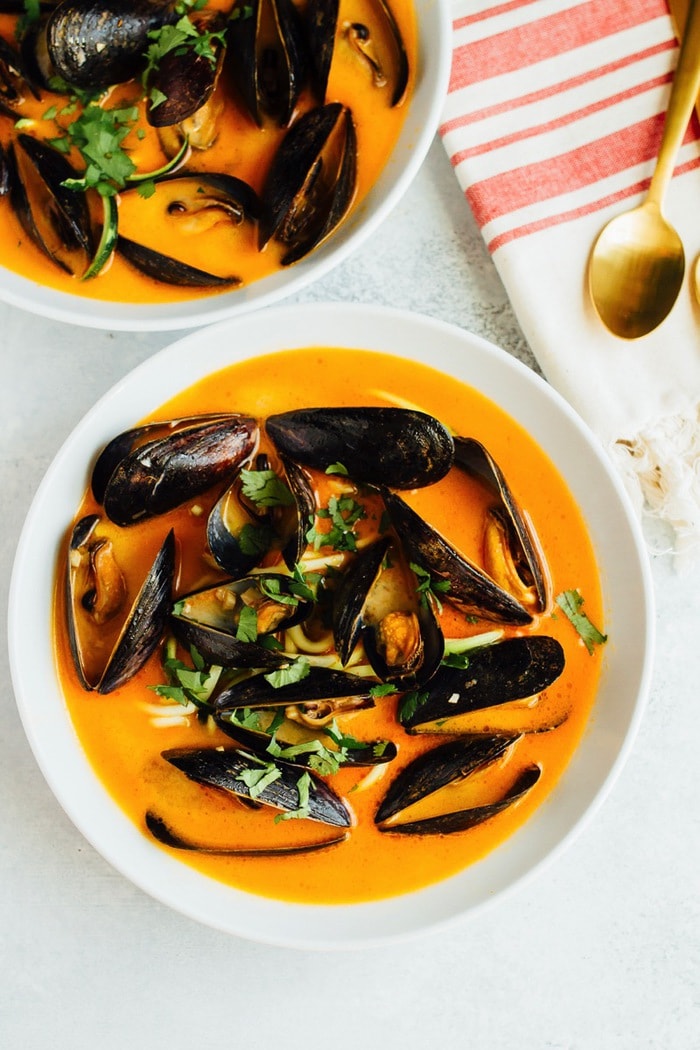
(428, 588)
(187, 685)
(247, 629)
(337, 468)
(382, 689)
(272, 588)
(304, 584)
(571, 602)
(304, 787)
(293, 672)
(410, 703)
(254, 540)
(343, 512)
(265, 489)
(256, 780)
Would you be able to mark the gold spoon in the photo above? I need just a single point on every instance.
(636, 267)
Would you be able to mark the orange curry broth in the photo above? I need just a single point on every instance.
(125, 748)
(242, 149)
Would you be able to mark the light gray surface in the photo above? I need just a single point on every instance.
(601, 950)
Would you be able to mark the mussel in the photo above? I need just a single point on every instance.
(15, 81)
(238, 531)
(236, 771)
(269, 60)
(164, 834)
(515, 669)
(376, 45)
(150, 470)
(397, 447)
(95, 44)
(109, 641)
(435, 769)
(512, 553)
(378, 604)
(311, 181)
(467, 585)
(322, 692)
(227, 623)
(184, 79)
(55, 217)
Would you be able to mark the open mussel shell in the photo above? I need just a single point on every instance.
(515, 669)
(166, 268)
(311, 181)
(295, 736)
(463, 820)
(399, 447)
(268, 59)
(95, 44)
(373, 603)
(469, 587)
(4, 172)
(376, 44)
(165, 835)
(55, 217)
(305, 508)
(15, 81)
(513, 556)
(167, 470)
(435, 769)
(210, 619)
(237, 538)
(227, 768)
(321, 685)
(107, 656)
(184, 79)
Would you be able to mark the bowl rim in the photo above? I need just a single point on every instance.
(418, 131)
(626, 583)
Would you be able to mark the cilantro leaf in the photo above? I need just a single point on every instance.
(428, 588)
(294, 672)
(265, 489)
(304, 787)
(337, 468)
(343, 512)
(247, 629)
(410, 703)
(571, 602)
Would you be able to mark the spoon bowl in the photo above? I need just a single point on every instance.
(636, 271)
(637, 264)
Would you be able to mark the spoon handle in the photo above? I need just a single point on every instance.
(684, 93)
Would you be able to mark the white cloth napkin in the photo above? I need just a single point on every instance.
(552, 123)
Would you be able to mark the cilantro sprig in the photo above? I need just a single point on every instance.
(264, 488)
(571, 603)
(179, 38)
(343, 512)
(428, 588)
(186, 685)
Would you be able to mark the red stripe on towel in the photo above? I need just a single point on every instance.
(559, 122)
(490, 12)
(555, 89)
(547, 37)
(586, 209)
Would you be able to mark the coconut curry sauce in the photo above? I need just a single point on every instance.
(125, 732)
(212, 241)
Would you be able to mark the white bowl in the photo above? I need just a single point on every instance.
(420, 126)
(628, 617)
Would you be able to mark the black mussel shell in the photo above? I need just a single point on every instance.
(291, 734)
(463, 820)
(305, 508)
(515, 669)
(268, 59)
(186, 79)
(523, 548)
(166, 268)
(4, 172)
(225, 769)
(165, 834)
(165, 472)
(209, 619)
(439, 767)
(319, 685)
(95, 45)
(15, 82)
(377, 446)
(419, 654)
(469, 587)
(378, 46)
(105, 669)
(311, 181)
(236, 537)
(55, 217)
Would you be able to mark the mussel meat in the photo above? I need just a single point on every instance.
(55, 217)
(269, 59)
(109, 647)
(228, 623)
(377, 446)
(515, 669)
(138, 479)
(236, 771)
(311, 182)
(378, 604)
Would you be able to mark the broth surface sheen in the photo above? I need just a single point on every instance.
(124, 745)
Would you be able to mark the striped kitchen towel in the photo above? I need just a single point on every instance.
(552, 122)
